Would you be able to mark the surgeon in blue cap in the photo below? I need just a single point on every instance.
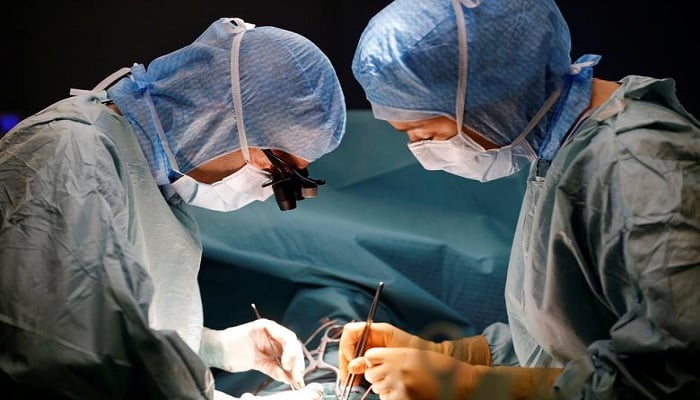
(602, 286)
(99, 256)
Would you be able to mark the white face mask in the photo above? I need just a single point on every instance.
(460, 156)
(231, 193)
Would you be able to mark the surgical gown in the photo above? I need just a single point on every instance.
(85, 238)
(604, 275)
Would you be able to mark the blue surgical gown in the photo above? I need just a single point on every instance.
(89, 246)
(605, 268)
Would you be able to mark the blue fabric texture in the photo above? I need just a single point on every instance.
(573, 100)
(291, 96)
(407, 61)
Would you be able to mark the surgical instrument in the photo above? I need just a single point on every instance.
(360, 347)
(276, 354)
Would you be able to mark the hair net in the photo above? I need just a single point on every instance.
(291, 98)
(517, 54)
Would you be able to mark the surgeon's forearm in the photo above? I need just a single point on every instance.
(474, 350)
(520, 383)
(210, 348)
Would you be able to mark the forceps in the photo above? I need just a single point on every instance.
(331, 334)
(276, 354)
(360, 347)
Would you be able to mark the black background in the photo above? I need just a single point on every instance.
(50, 47)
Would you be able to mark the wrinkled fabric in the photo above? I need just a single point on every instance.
(292, 99)
(408, 61)
(87, 238)
(606, 264)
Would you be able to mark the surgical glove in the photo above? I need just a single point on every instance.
(404, 373)
(312, 391)
(262, 345)
(219, 395)
(474, 349)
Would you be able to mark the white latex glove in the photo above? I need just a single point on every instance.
(256, 345)
(312, 391)
(219, 395)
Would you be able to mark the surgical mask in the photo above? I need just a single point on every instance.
(231, 193)
(460, 156)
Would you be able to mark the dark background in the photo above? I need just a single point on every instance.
(50, 47)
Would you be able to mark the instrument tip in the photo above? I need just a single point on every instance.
(255, 309)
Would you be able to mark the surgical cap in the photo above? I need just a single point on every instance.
(407, 62)
(291, 98)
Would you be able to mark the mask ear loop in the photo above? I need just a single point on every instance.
(104, 84)
(238, 30)
(463, 63)
(462, 80)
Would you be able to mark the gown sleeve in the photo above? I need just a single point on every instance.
(500, 341)
(73, 309)
(643, 223)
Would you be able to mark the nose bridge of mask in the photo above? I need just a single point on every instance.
(235, 184)
(245, 186)
(249, 171)
(438, 154)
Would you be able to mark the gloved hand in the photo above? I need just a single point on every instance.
(312, 391)
(405, 373)
(219, 395)
(256, 345)
(473, 350)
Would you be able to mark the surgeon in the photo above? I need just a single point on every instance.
(602, 286)
(99, 254)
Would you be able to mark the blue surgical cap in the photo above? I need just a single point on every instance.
(408, 59)
(291, 98)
